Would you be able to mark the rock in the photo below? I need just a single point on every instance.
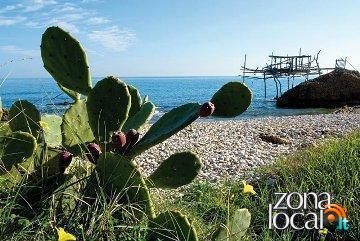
(335, 89)
(273, 139)
(348, 110)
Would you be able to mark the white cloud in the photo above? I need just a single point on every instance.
(18, 51)
(8, 21)
(65, 25)
(97, 20)
(36, 5)
(71, 15)
(113, 38)
(10, 8)
(92, 1)
(33, 24)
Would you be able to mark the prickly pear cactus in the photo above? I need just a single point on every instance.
(136, 100)
(75, 128)
(65, 60)
(38, 189)
(52, 131)
(176, 171)
(122, 176)
(24, 117)
(139, 119)
(4, 131)
(231, 100)
(71, 93)
(55, 162)
(108, 106)
(115, 112)
(169, 124)
(18, 147)
(236, 227)
(171, 225)
(1, 110)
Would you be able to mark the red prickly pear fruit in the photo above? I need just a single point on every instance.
(207, 109)
(65, 160)
(94, 152)
(118, 140)
(132, 136)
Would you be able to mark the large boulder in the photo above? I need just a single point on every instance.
(335, 89)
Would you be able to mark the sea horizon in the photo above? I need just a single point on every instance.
(166, 92)
(150, 76)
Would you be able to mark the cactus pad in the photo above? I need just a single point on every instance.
(231, 100)
(24, 117)
(4, 131)
(142, 117)
(38, 190)
(65, 60)
(53, 163)
(171, 225)
(122, 176)
(237, 225)
(18, 147)
(75, 128)
(52, 130)
(178, 170)
(9, 178)
(168, 125)
(108, 105)
(136, 100)
(72, 94)
(1, 110)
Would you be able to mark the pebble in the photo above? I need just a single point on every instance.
(231, 148)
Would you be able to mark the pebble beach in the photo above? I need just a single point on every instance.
(229, 148)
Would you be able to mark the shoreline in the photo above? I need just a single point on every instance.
(228, 149)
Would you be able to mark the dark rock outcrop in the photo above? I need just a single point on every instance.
(335, 89)
(273, 139)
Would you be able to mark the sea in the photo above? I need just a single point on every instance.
(165, 92)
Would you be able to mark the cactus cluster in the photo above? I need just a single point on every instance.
(30, 153)
(105, 124)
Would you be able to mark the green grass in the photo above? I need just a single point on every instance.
(333, 167)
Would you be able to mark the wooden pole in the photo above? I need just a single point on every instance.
(244, 67)
(277, 90)
(288, 82)
(265, 85)
(280, 86)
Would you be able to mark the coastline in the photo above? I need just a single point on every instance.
(228, 149)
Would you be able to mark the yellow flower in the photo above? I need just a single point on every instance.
(64, 236)
(248, 188)
(44, 125)
(323, 231)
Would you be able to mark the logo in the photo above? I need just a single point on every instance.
(334, 214)
(308, 211)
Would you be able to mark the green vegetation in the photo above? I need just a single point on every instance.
(92, 165)
(333, 166)
(88, 183)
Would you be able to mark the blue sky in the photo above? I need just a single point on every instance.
(173, 37)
